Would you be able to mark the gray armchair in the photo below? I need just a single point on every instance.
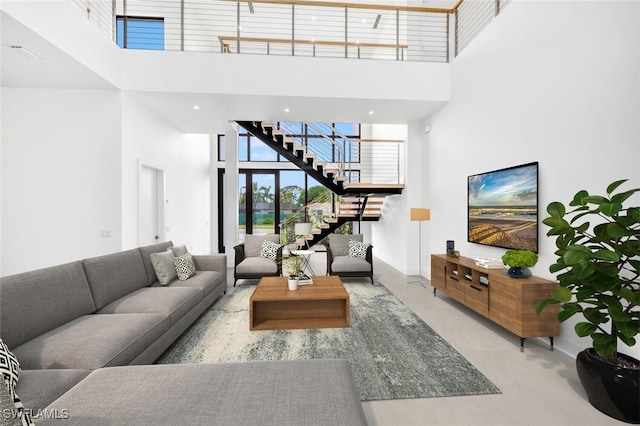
(249, 264)
(340, 263)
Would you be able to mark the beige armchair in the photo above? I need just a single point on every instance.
(249, 264)
(341, 261)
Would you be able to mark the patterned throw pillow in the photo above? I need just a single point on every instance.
(184, 266)
(270, 250)
(358, 249)
(10, 370)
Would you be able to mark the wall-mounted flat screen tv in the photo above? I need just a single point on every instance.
(503, 208)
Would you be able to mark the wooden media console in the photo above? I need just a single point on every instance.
(509, 302)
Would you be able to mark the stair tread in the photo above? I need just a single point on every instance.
(355, 215)
(373, 185)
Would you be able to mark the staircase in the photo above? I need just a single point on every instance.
(349, 201)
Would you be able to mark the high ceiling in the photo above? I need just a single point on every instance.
(53, 68)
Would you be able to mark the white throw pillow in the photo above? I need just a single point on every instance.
(163, 265)
(179, 250)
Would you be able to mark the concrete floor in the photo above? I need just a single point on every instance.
(539, 387)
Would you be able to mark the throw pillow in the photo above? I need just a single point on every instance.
(179, 250)
(10, 370)
(163, 265)
(358, 249)
(270, 250)
(184, 266)
(9, 415)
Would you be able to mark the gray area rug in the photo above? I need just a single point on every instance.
(393, 353)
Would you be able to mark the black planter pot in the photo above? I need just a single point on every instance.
(611, 389)
(519, 272)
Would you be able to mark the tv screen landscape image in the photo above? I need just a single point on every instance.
(503, 208)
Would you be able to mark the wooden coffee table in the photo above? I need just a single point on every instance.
(323, 304)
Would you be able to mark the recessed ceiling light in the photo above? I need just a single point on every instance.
(196, 107)
(286, 110)
(371, 112)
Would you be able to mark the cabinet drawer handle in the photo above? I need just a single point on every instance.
(476, 288)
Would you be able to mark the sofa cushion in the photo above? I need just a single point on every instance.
(39, 388)
(35, 302)
(163, 266)
(257, 265)
(340, 243)
(185, 267)
(146, 251)
(253, 243)
(282, 393)
(350, 264)
(93, 341)
(115, 275)
(172, 302)
(203, 281)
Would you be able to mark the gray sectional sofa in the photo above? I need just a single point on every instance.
(80, 331)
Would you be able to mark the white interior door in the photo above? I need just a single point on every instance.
(150, 206)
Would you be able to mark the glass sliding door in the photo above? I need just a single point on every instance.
(263, 206)
(292, 184)
(257, 203)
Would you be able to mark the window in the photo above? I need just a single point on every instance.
(252, 149)
(140, 33)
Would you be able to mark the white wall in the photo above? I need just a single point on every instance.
(60, 176)
(554, 82)
(148, 140)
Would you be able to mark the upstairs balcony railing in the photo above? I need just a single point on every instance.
(297, 27)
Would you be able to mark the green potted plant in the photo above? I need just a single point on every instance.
(598, 267)
(519, 262)
(294, 269)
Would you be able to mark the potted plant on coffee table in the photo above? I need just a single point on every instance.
(519, 262)
(598, 269)
(294, 270)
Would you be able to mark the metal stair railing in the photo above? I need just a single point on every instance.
(316, 212)
(324, 147)
(379, 160)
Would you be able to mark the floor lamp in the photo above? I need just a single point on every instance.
(420, 215)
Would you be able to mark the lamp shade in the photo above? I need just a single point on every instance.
(420, 214)
(302, 228)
